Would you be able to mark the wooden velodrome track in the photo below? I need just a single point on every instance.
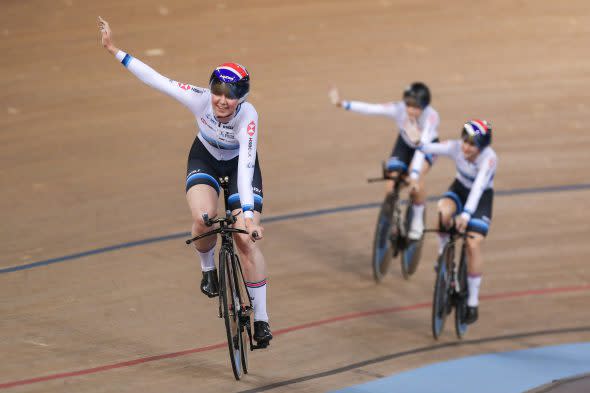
(92, 158)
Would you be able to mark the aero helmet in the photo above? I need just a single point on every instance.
(231, 80)
(417, 94)
(478, 132)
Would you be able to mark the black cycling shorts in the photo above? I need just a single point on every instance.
(481, 219)
(203, 168)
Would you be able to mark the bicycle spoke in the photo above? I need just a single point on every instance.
(441, 300)
(230, 302)
(461, 297)
(382, 241)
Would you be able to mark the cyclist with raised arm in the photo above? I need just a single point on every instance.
(413, 115)
(469, 198)
(225, 146)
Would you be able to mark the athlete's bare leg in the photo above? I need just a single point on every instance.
(254, 266)
(202, 199)
(251, 257)
(446, 211)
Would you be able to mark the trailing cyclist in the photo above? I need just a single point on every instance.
(469, 198)
(413, 116)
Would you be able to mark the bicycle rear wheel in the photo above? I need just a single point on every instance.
(231, 304)
(245, 313)
(441, 299)
(461, 296)
(413, 248)
(382, 244)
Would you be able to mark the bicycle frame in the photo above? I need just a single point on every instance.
(391, 232)
(450, 289)
(234, 301)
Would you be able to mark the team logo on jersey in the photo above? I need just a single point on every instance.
(184, 86)
(251, 128)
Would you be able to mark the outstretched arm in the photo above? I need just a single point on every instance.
(387, 109)
(446, 148)
(191, 97)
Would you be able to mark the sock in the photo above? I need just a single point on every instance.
(443, 239)
(417, 211)
(473, 283)
(257, 292)
(417, 224)
(207, 260)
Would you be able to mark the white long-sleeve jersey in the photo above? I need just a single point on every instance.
(427, 125)
(225, 141)
(477, 176)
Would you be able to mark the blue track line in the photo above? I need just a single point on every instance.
(284, 217)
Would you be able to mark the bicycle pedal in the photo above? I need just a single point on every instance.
(261, 345)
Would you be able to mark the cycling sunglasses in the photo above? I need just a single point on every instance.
(469, 139)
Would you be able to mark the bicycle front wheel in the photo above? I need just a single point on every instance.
(461, 297)
(441, 299)
(245, 312)
(231, 306)
(413, 248)
(382, 243)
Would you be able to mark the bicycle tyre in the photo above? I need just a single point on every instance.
(382, 245)
(229, 299)
(412, 251)
(461, 297)
(245, 312)
(441, 300)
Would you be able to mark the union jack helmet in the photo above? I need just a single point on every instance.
(231, 80)
(478, 133)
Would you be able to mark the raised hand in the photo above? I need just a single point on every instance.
(334, 96)
(106, 36)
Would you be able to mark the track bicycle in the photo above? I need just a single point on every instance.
(450, 286)
(235, 306)
(391, 232)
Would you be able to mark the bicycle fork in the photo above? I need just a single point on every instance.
(455, 283)
(397, 231)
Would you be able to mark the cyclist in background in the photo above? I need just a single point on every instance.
(413, 115)
(469, 198)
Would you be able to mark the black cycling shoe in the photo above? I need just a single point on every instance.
(471, 315)
(210, 283)
(262, 333)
